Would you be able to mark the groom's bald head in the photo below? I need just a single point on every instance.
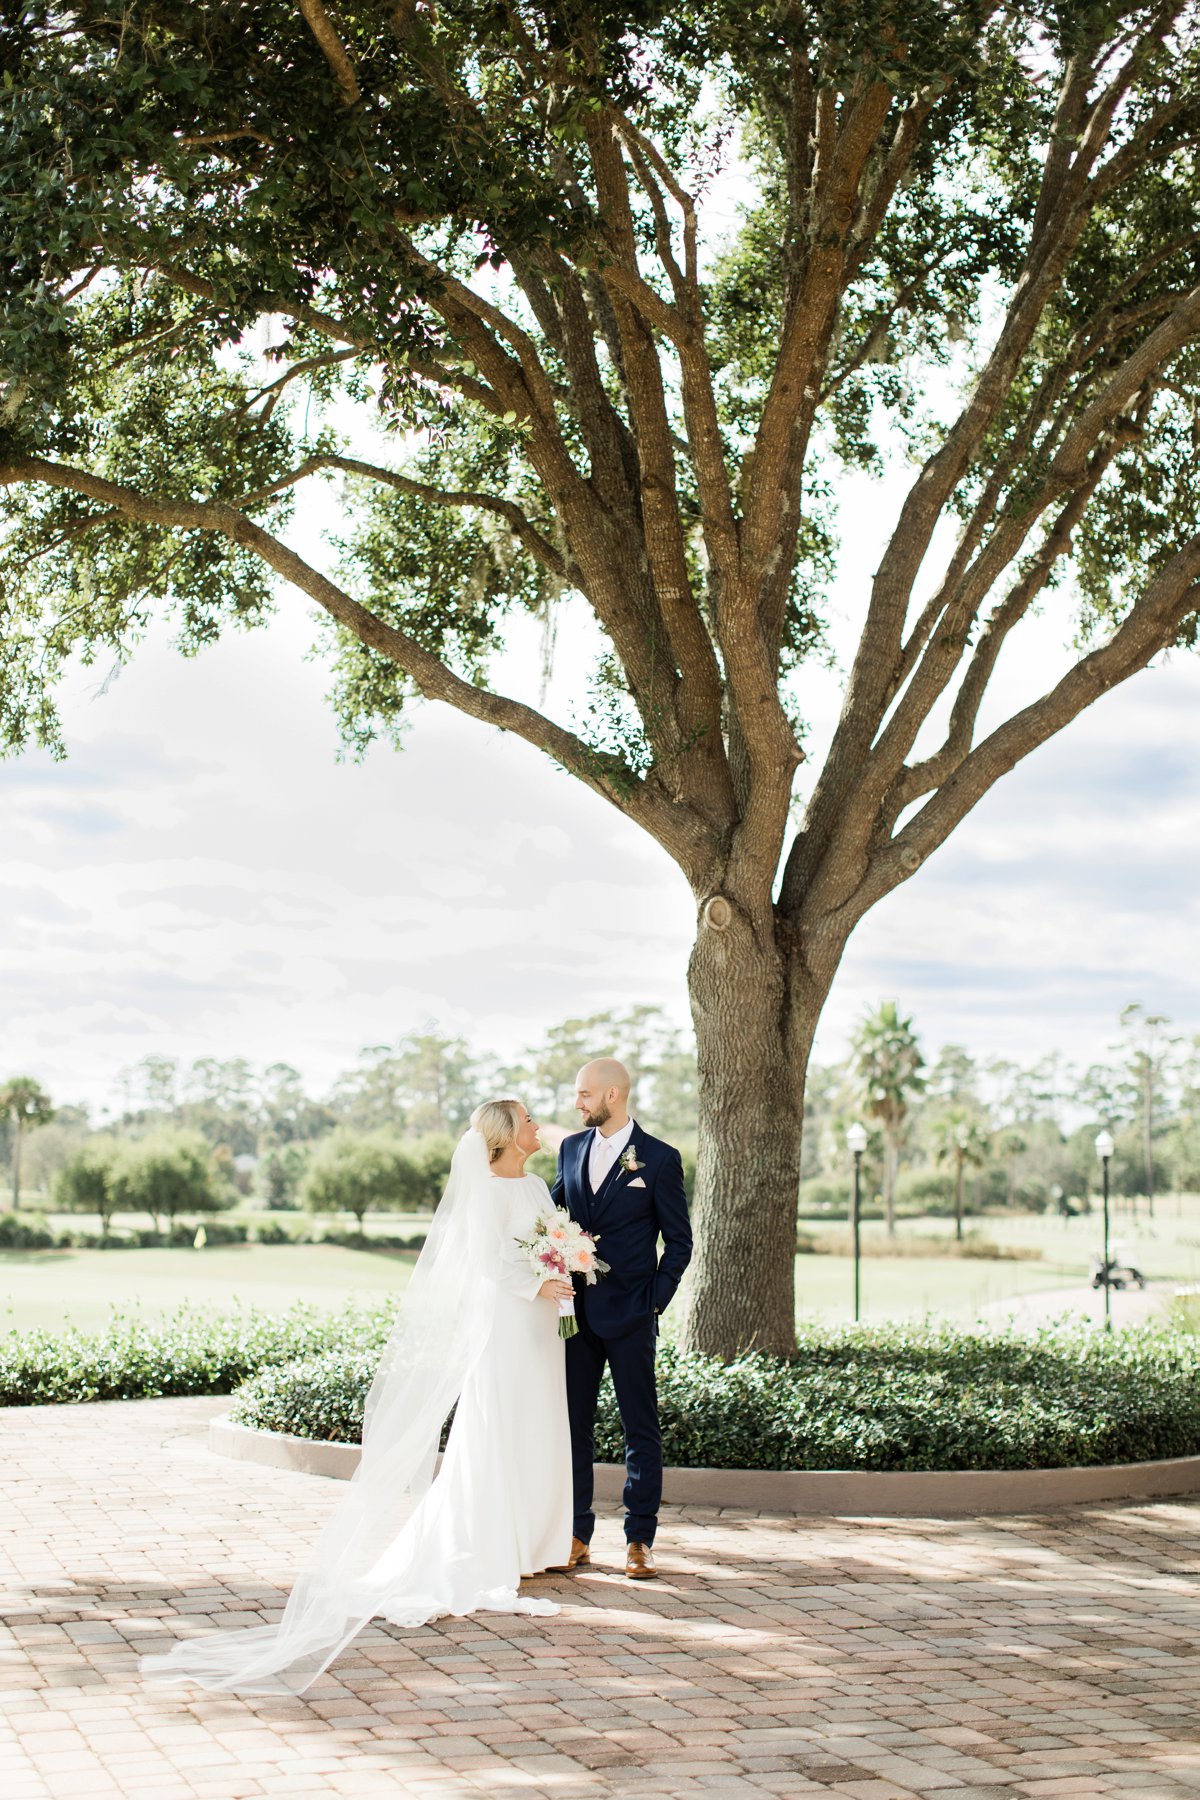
(606, 1073)
(602, 1091)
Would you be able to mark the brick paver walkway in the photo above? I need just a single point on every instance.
(874, 1659)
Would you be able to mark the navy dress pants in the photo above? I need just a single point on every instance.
(631, 1359)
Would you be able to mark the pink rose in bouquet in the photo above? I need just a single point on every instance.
(560, 1246)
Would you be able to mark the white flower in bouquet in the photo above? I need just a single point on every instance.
(561, 1247)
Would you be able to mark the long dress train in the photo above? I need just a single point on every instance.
(470, 1333)
(501, 1505)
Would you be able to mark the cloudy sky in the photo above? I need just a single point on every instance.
(203, 877)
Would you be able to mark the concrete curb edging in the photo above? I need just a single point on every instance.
(895, 1494)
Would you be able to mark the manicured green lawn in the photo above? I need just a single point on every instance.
(1165, 1247)
(47, 1287)
(905, 1287)
(44, 1288)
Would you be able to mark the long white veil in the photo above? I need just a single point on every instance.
(443, 1322)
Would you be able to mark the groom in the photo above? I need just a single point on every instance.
(627, 1188)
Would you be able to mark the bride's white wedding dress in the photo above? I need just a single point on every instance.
(501, 1505)
(470, 1333)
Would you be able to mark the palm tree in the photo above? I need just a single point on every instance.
(1011, 1144)
(888, 1061)
(1149, 1058)
(961, 1140)
(24, 1102)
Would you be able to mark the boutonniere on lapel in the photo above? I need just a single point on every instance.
(628, 1160)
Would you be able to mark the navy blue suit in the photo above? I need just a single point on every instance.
(618, 1317)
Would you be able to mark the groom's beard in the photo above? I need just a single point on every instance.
(600, 1116)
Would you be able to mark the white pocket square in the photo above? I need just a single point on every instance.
(637, 1182)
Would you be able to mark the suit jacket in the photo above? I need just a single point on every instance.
(626, 1221)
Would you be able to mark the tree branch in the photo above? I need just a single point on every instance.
(224, 137)
(681, 833)
(333, 50)
(424, 364)
(457, 303)
(1064, 206)
(763, 745)
(692, 654)
(1069, 472)
(873, 208)
(771, 476)
(653, 168)
(522, 528)
(923, 777)
(273, 390)
(515, 385)
(1152, 624)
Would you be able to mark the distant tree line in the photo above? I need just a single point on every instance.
(950, 1132)
(381, 1137)
(964, 1133)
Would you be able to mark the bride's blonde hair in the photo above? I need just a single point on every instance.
(499, 1122)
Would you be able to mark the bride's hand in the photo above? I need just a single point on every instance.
(555, 1289)
(550, 1137)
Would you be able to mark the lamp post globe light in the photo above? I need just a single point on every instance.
(1104, 1150)
(856, 1143)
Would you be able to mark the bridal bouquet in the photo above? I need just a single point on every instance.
(560, 1246)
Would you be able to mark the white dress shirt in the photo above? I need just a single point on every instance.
(604, 1152)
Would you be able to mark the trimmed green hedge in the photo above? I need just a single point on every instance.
(192, 1352)
(33, 1231)
(318, 1397)
(895, 1397)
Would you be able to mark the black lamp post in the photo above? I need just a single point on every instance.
(856, 1143)
(1104, 1150)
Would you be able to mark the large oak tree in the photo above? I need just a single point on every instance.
(488, 222)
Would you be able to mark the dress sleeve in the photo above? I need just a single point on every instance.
(511, 1269)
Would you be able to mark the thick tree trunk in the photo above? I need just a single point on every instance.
(958, 1199)
(16, 1167)
(739, 1293)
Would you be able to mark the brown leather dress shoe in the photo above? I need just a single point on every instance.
(580, 1554)
(639, 1562)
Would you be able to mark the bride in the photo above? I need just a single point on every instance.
(475, 1327)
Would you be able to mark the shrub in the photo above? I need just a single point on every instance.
(894, 1397)
(85, 1183)
(193, 1352)
(431, 1157)
(32, 1231)
(355, 1240)
(26, 1231)
(272, 1232)
(1185, 1313)
(318, 1397)
(820, 1195)
(925, 1190)
(167, 1173)
(357, 1172)
(280, 1173)
(180, 1236)
(216, 1231)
